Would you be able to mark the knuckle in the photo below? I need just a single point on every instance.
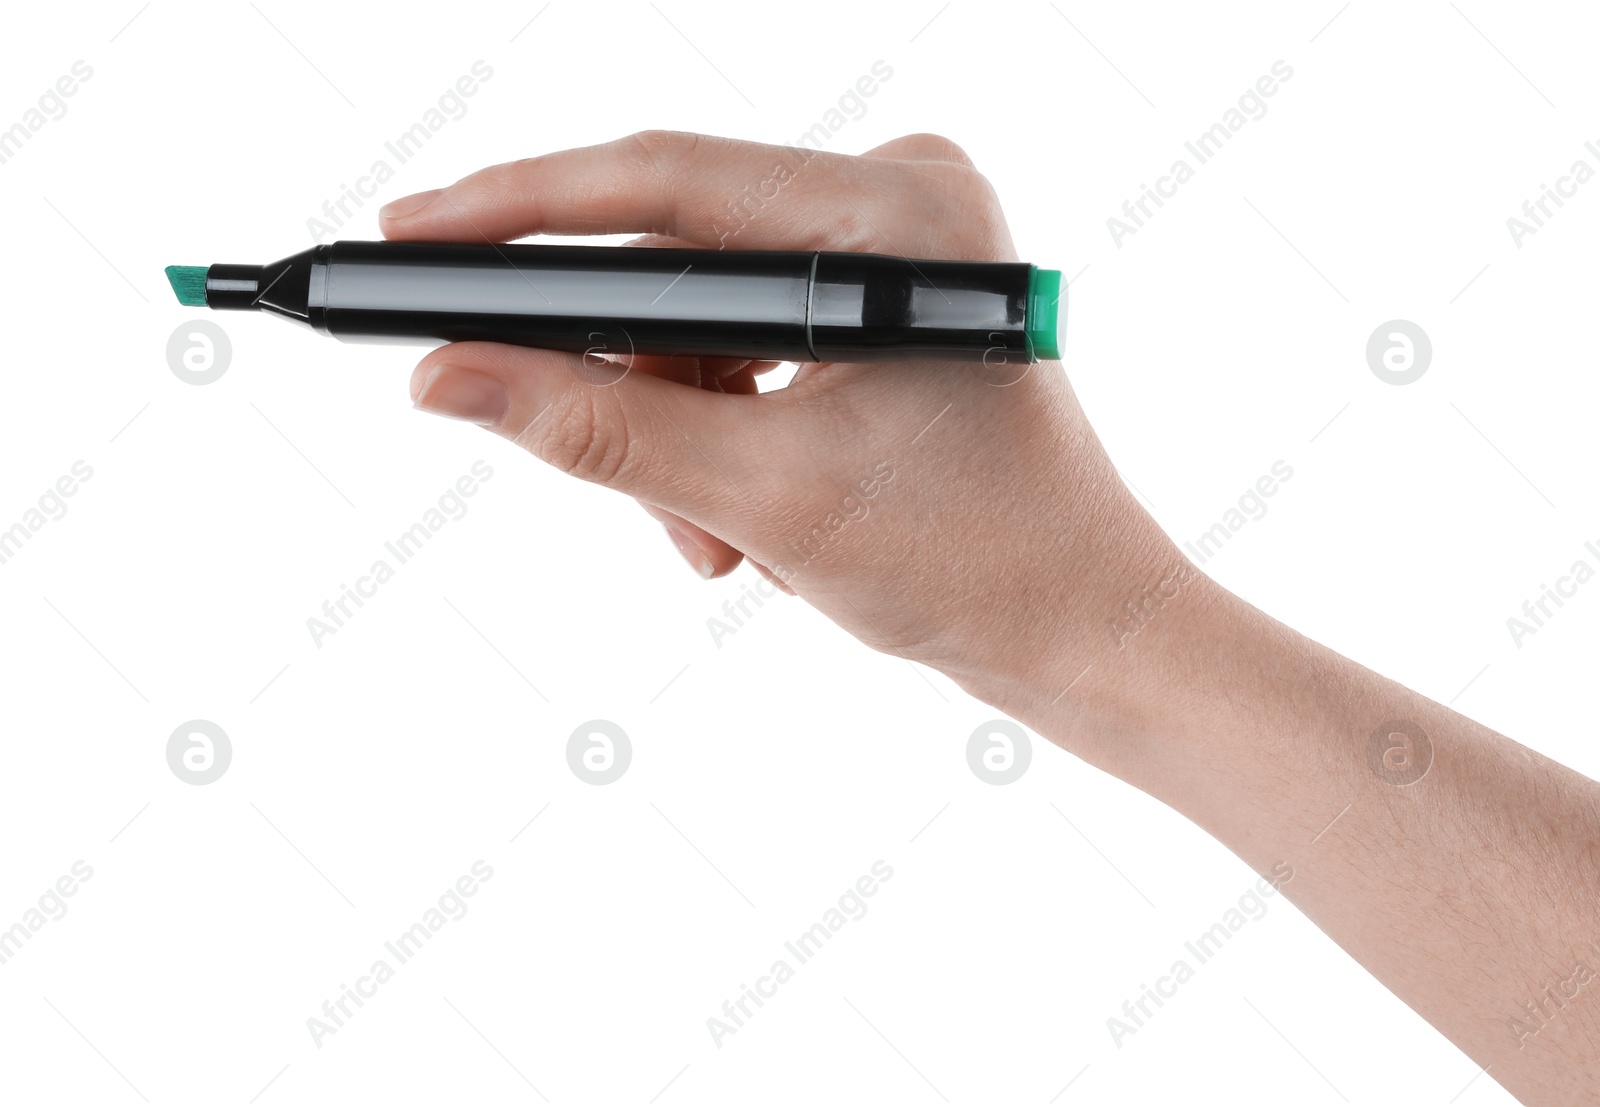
(960, 183)
(989, 221)
(497, 181)
(938, 148)
(964, 197)
(850, 230)
(576, 442)
(980, 193)
(850, 235)
(661, 151)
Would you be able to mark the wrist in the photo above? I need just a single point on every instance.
(1120, 683)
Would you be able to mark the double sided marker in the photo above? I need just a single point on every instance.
(772, 305)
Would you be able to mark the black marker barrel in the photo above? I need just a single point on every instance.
(618, 300)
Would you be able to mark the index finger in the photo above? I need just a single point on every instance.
(709, 191)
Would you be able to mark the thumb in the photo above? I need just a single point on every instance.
(688, 450)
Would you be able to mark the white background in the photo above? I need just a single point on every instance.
(771, 771)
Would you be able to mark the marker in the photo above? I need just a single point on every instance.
(771, 305)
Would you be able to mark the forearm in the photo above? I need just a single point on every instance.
(1463, 872)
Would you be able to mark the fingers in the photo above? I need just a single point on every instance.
(706, 554)
(742, 381)
(706, 191)
(700, 372)
(688, 450)
(782, 585)
(692, 456)
(922, 147)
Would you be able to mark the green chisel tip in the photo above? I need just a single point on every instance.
(188, 284)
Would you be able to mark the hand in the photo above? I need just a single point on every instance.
(970, 520)
(962, 516)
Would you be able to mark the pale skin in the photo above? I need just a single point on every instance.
(1001, 551)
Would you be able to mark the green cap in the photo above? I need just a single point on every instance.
(1044, 300)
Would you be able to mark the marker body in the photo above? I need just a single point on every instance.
(618, 300)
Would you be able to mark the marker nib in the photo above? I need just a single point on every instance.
(188, 284)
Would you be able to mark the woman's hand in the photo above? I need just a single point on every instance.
(968, 519)
(959, 515)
